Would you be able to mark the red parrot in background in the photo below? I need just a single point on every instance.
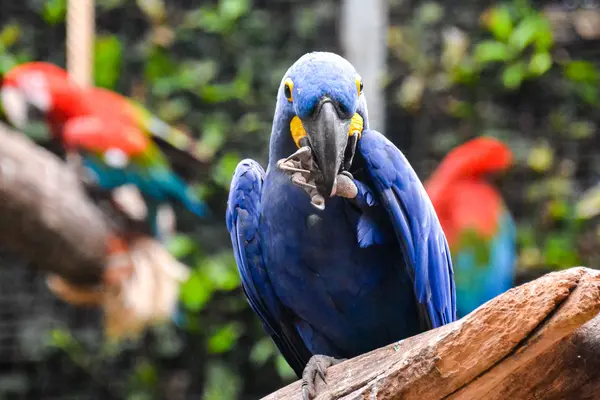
(479, 228)
(121, 142)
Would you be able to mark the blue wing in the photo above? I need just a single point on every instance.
(419, 233)
(243, 223)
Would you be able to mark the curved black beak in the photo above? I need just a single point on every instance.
(328, 136)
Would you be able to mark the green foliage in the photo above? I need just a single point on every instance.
(107, 61)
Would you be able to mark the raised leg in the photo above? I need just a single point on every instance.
(317, 366)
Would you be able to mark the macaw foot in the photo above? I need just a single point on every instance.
(317, 365)
(300, 167)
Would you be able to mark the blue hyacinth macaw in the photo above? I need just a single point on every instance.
(332, 277)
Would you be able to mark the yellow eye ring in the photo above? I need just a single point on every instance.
(287, 89)
(359, 85)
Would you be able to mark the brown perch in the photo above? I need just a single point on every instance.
(45, 214)
(531, 342)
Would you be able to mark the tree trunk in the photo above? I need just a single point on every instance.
(528, 343)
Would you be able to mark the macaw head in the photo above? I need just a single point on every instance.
(34, 90)
(321, 104)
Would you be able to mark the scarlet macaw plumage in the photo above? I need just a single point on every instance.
(479, 228)
(121, 142)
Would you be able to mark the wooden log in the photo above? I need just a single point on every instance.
(528, 343)
(45, 214)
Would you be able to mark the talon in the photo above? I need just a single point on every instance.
(317, 365)
(345, 186)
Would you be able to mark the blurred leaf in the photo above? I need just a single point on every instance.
(146, 374)
(223, 172)
(181, 246)
(513, 75)
(491, 51)
(196, 291)
(154, 9)
(55, 11)
(559, 250)
(9, 35)
(524, 33)
(540, 63)
(158, 65)
(283, 368)
(233, 9)
(221, 271)
(588, 205)
(581, 71)
(411, 92)
(262, 351)
(7, 62)
(107, 61)
(581, 129)
(541, 157)
(194, 75)
(429, 13)
(173, 109)
(224, 338)
(221, 383)
(500, 23)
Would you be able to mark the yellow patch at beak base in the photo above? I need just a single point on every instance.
(356, 126)
(297, 130)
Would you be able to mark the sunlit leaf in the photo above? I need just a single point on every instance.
(541, 157)
(107, 61)
(221, 271)
(233, 9)
(513, 75)
(196, 291)
(581, 71)
(10, 34)
(224, 338)
(55, 11)
(181, 246)
(491, 51)
(540, 63)
(524, 33)
(499, 22)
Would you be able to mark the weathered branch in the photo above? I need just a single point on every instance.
(528, 343)
(45, 214)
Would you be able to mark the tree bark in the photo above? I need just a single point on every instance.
(528, 343)
(46, 216)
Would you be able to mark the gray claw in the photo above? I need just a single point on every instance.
(316, 366)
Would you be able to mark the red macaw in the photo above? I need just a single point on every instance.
(121, 142)
(479, 228)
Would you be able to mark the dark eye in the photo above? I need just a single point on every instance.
(359, 85)
(287, 89)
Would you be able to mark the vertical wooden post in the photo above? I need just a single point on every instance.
(364, 26)
(80, 40)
